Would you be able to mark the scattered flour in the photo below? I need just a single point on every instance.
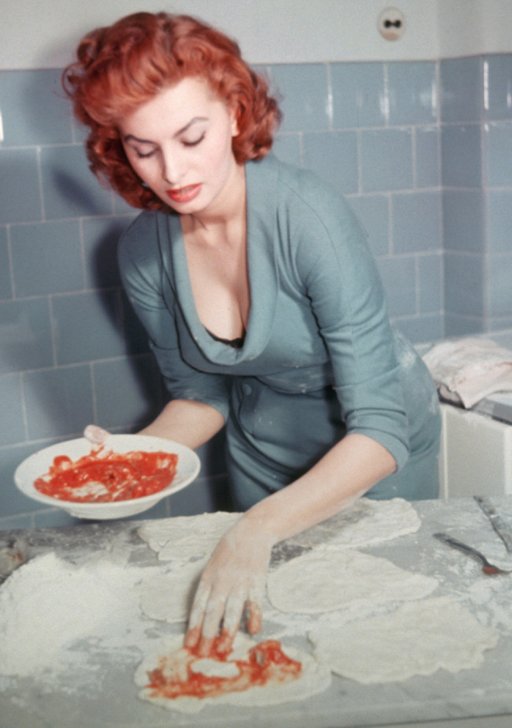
(49, 604)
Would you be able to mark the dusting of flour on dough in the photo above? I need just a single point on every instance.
(417, 638)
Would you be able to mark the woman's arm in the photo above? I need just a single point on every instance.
(234, 579)
(188, 422)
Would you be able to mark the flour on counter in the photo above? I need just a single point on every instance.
(49, 604)
(321, 581)
(417, 638)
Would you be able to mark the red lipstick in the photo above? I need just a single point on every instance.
(183, 194)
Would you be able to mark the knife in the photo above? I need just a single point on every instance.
(502, 528)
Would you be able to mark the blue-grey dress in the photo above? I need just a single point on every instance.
(319, 358)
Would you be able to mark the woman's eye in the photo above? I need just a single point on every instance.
(193, 142)
(143, 155)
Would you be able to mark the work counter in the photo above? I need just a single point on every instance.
(470, 698)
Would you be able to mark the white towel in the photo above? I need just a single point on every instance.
(469, 369)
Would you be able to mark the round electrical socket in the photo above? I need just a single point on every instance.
(391, 24)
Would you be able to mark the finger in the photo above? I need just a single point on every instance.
(211, 624)
(196, 616)
(231, 623)
(254, 617)
(192, 637)
(96, 435)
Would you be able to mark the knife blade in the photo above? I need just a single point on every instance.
(501, 527)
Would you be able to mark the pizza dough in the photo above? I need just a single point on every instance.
(319, 582)
(418, 638)
(167, 595)
(186, 537)
(314, 678)
(364, 523)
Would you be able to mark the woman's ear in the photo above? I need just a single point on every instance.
(235, 131)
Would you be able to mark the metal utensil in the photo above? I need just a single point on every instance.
(499, 524)
(487, 567)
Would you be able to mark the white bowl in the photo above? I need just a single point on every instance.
(38, 464)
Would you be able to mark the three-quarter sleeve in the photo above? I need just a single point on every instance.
(151, 296)
(347, 298)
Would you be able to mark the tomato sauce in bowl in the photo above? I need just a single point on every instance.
(104, 476)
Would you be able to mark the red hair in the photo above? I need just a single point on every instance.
(122, 66)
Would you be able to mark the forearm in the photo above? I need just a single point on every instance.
(344, 474)
(188, 422)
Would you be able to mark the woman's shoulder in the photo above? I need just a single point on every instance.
(140, 239)
(304, 188)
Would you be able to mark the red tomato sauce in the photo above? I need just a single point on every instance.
(105, 476)
(265, 663)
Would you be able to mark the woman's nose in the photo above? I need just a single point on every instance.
(173, 168)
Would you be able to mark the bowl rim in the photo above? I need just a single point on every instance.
(25, 484)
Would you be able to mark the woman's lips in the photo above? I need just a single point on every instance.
(184, 194)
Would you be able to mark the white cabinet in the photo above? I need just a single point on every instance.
(476, 454)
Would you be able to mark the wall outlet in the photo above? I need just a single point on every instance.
(391, 24)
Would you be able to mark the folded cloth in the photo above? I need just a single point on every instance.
(469, 369)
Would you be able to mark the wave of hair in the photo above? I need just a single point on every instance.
(122, 66)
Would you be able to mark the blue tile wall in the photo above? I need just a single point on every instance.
(423, 151)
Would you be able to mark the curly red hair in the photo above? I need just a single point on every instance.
(122, 66)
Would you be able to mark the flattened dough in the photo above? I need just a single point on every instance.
(321, 581)
(314, 678)
(418, 638)
(185, 537)
(366, 522)
(167, 595)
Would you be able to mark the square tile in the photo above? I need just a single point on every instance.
(500, 285)
(12, 501)
(461, 156)
(69, 187)
(100, 238)
(464, 285)
(88, 326)
(498, 74)
(333, 156)
(59, 401)
(128, 391)
(12, 417)
(463, 215)
(5, 266)
(462, 89)
(25, 335)
(302, 92)
(417, 222)
(359, 95)
(421, 329)
(413, 93)
(498, 144)
(428, 156)
(386, 160)
(287, 148)
(430, 283)
(499, 220)
(34, 108)
(399, 279)
(20, 199)
(46, 258)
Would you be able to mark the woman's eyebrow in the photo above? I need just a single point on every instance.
(133, 138)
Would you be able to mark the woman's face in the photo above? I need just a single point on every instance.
(180, 144)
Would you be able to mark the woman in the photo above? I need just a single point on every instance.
(259, 296)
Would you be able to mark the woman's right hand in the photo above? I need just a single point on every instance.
(96, 435)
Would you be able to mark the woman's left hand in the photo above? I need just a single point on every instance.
(233, 582)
